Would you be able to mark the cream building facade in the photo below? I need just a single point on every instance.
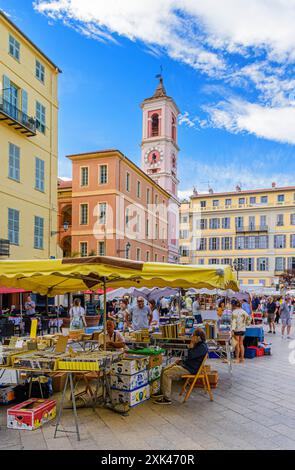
(28, 147)
(252, 230)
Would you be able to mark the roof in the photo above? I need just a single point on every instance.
(8, 20)
(62, 184)
(246, 191)
(129, 162)
(160, 92)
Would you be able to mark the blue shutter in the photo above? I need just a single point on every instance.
(6, 88)
(24, 102)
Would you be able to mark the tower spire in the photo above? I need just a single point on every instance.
(160, 90)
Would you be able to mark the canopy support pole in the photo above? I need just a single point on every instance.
(104, 314)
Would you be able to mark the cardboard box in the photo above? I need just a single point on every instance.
(130, 365)
(58, 381)
(129, 382)
(131, 398)
(155, 373)
(155, 360)
(7, 394)
(31, 414)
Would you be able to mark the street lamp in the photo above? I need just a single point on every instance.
(126, 249)
(238, 266)
(65, 229)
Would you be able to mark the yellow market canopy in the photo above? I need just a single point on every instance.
(54, 277)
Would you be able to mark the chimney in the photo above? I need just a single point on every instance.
(238, 188)
(273, 185)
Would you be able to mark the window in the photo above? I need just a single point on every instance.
(264, 200)
(138, 189)
(213, 261)
(40, 71)
(147, 196)
(262, 264)
(38, 233)
(242, 201)
(239, 222)
(201, 261)
(183, 234)
(262, 282)
(138, 254)
(39, 174)
(13, 226)
(102, 213)
(226, 222)
(281, 198)
(155, 125)
(127, 217)
(203, 224)
(103, 174)
(215, 203)
(252, 200)
(156, 258)
(214, 243)
(263, 241)
(83, 214)
(263, 221)
(40, 117)
(291, 263)
(280, 220)
(14, 47)
(147, 228)
(127, 181)
(173, 130)
(184, 251)
(280, 264)
(250, 281)
(240, 243)
(184, 219)
(226, 261)
(156, 199)
(127, 250)
(252, 222)
(101, 249)
(280, 241)
(239, 264)
(201, 244)
(203, 204)
(226, 243)
(147, 256)
(292, 219)
(14, 162)
(248, 264)
(83, 249)
(214, 223)
(84, 176)
(228, 202)
(292, 241)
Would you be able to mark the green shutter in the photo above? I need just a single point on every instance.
(6, 88)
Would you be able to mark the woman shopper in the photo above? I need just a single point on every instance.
(287, 310)
(77, 315)
(271, 313)
(156, 316)
(240, 320)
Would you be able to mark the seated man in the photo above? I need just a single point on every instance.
(197, 351)
(114, 339)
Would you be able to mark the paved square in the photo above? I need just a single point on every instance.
(257, 412)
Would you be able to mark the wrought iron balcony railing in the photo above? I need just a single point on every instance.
(252, 228)
(15, 118)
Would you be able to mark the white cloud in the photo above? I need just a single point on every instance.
(249, 44)
(235, 115)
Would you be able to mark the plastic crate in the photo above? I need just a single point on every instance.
(213, 355)
(255, 332)
(250, 353)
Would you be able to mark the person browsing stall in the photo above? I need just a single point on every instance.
(196, 354)
(30, 306)
(114, 339)
(77, 315)
(140, 315)
(156, 316)
(240, 320)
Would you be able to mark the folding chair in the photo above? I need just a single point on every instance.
(191, 381)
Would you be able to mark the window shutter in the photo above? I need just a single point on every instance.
(24, 102)
(6, 88)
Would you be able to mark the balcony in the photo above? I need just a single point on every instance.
(4, 247)
(16, 119)
(252, 229)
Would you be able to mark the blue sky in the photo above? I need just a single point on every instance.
(229, 66)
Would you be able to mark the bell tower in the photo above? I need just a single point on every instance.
(159, 154)
(159, 139)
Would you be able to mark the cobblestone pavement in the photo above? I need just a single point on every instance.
(256, 412)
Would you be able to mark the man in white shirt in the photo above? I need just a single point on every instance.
(114, 339)
(196, 311)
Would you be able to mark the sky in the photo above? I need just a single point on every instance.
(228, 65)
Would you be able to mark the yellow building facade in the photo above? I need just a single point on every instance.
(252, 230)
(28, 147)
